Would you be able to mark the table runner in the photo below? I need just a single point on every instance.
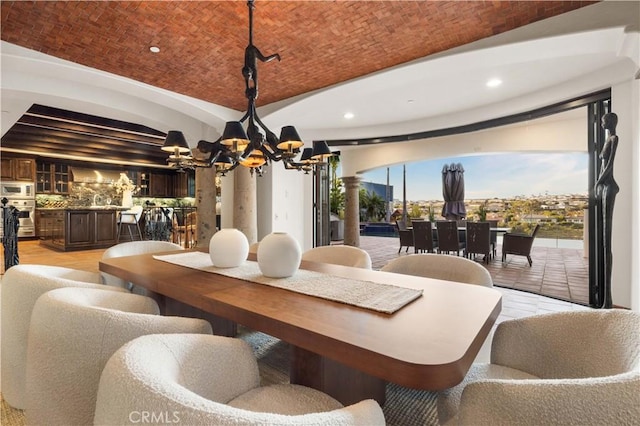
(365, 294)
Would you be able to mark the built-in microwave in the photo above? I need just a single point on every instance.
(13, 190)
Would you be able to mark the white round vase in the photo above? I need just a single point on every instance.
(279, 255)
(228, 248)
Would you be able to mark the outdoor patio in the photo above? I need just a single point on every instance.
(561, 273)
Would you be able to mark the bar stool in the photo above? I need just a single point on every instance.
(130, 218)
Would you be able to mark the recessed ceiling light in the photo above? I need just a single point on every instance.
(348, 115)
(154, 49)
(494, 82)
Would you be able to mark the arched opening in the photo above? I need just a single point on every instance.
(590, 136)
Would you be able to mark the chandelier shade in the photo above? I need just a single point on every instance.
(321, 151)
(289, 139)
(175, 142)
(234, 135)
(307, 156)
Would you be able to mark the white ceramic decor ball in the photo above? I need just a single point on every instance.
(228, 248)
(279, 255)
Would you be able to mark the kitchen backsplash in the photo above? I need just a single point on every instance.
(82, 196)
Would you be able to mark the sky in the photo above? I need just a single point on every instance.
(489, 176)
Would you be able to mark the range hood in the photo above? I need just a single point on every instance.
(81, 175)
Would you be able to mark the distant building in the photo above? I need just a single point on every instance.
(378, 188)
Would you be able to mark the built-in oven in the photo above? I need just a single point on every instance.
(22, 196)
(17, 190)
(26, 217)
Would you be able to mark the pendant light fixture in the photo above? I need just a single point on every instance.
(253, 147)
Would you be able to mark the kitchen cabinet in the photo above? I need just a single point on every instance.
(43, 178)
(184, 184)
(153, 184)
(50, 227)
(76, 229)
(158, 185)
(18, 169)
(52, 178)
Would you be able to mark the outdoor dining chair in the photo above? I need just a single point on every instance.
(519, 244)
(478, 240)
(448, 239)
(405, 234)
(423, 236)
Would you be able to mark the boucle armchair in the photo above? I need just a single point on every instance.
(568, 368)
(210, 380)
(133, 248)
(339, 255)
(21, 287)
(441, 267)
(73, 333)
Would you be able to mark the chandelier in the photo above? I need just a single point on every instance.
(254, 147)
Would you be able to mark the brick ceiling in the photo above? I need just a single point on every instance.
(202, 42)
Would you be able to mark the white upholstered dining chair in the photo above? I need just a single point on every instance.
(132, 248)
(565, 368)
(339, 255)
(73, 333)
(22, 285)
(211, 380)
(442, 267)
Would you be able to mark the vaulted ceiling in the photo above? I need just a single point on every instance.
(202, 43)
(321, 44)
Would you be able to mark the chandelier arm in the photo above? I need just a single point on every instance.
(213, 157)
(269, 154)
(271, 137)
(246, 114)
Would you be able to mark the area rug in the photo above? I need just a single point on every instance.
(404, 406)
(10, 416)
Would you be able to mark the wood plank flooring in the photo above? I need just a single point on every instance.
(30, 251)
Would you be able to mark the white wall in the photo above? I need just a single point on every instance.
(626, 218)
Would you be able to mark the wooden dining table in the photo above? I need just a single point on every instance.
(346, 351)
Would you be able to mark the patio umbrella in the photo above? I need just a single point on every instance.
(453, 191)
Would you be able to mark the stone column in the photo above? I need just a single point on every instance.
(352, 211)
(206, 205)
(245, 217)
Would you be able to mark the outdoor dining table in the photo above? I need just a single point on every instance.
(347, 351)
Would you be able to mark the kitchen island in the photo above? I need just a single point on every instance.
(78, 228)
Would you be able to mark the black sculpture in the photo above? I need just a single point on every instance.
(10, 225)
(250, 68)
(606, 189)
